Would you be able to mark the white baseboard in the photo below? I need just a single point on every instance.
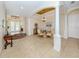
(64, 37)
(73, 38)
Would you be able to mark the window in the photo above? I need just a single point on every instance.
(14, 26)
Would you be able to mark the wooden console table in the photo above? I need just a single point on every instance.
(8, 40)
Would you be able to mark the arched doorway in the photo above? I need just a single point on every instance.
(73, 23)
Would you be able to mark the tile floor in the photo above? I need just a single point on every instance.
(37, 47)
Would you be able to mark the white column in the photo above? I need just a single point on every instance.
(66, 27)
(57, 38)
(29, 26)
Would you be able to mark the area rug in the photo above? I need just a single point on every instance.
(18, 36)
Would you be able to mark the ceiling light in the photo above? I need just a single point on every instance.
(44, 19)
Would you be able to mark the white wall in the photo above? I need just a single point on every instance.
(73, 24)
(2, 16)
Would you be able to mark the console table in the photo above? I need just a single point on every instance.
(8, 40)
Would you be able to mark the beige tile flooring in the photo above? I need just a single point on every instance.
(33, 46)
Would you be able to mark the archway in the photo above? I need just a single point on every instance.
(73, 23)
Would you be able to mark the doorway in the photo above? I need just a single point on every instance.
(73, 23)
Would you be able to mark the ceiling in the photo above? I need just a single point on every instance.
(25, 8)
(70, 4)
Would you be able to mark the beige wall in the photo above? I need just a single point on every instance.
(50, 16)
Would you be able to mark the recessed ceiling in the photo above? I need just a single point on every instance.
(45, 10)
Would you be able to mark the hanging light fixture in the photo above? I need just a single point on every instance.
(44, 19)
